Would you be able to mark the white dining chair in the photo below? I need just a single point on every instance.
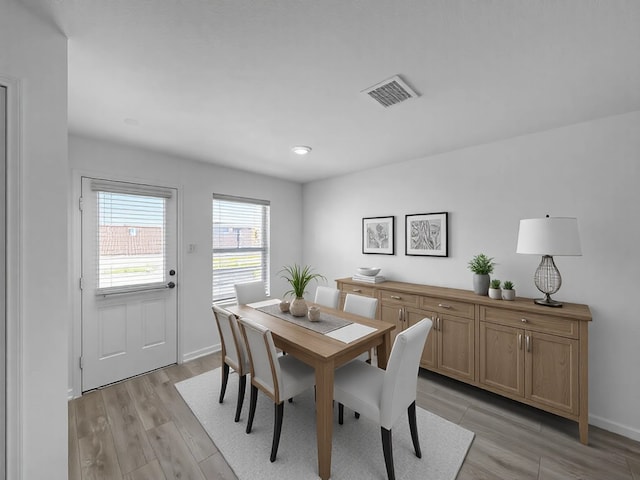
(234, 354)
(327, 296)
(277, 377)
(365, 307)
(382, 395)
(360, 305)
(250, 292)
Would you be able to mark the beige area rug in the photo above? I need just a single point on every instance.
(357, 446)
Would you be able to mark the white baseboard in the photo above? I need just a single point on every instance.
(624, 430)
(202, 352)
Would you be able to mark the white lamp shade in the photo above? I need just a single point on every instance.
(549, 236)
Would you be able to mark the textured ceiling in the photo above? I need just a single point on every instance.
(238, 82)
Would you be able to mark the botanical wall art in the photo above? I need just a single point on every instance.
(427, 234)
(378, 235)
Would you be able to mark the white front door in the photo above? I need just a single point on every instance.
(129, 280)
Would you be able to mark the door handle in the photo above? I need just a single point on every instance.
(528, 341)
(171, 285)
(519, 341)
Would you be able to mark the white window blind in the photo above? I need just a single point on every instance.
(131, 240)
(240, 244)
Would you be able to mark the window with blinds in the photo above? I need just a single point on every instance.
(240, 244)
(131, 238)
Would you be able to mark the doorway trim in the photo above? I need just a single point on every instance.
(14, 266)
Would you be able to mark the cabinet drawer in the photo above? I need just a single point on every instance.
(460, 309)
(400, 298)
(359, 290)
(531, 321)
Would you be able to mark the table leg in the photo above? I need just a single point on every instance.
(384, 350)
(324, 417)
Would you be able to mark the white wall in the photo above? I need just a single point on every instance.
(196, 182)
(35, 55)
(589, 170)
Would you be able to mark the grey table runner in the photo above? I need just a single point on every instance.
(327, 322)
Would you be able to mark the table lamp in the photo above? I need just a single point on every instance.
(548, 237)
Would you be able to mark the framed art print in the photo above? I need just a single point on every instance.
(427, 234)
(378, 235)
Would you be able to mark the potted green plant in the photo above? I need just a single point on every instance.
(494, 289)
(508, 290)
(298, 277)
(481, 266)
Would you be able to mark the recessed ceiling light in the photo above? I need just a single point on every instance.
(300, 149)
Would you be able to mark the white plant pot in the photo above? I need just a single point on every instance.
(508, 294)
(298, 307)
(495, 293)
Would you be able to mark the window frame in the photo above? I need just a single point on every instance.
(218, 293)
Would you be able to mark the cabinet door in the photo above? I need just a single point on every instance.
(393, 313)
(429, 357)
(456, 346)
(551, 371)
(502, 358)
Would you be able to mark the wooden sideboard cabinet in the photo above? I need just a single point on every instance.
(530, 353)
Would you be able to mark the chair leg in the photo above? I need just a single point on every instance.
(340, 413)
(413, 426)
(388, 452)
(277, 428)
(252, 407)
(242, 385)
(225, 377)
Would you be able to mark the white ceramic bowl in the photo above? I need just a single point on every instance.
(368, 271)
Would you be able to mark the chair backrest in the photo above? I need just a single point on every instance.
(401, 375)
(250, 292)
(327, 296)
(234, 350)
(263, 358)
(360, 305)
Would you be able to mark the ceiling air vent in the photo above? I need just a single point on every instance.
(390, 91)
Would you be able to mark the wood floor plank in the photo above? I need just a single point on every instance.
(173, 454)
(513, 441)
(98, 457)
(75, 472)
(132, 445)
(216, 468)
(150, 408)
(90, 413)
(195, 436)
(150, 471)
(486, 460)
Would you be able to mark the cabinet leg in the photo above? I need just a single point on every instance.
(584, 431)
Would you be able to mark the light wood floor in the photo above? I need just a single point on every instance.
(141, 429)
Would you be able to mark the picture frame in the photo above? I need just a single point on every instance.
(427, 234)
(378, 235)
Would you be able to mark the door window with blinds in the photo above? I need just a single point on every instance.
(132, 233)
(240, 244)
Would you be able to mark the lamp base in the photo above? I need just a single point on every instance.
(547, 302)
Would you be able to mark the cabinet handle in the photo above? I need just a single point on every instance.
(528, 341)
(356, 290)
(439, 324)
(395, 297)
(523, 320)
(519, 341)
(444, 305)
(400, 315)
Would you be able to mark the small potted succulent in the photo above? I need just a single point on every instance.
(494, 290)
(299, 277)
(508, 291)
(482, 267)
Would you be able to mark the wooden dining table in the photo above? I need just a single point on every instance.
(324, 354)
